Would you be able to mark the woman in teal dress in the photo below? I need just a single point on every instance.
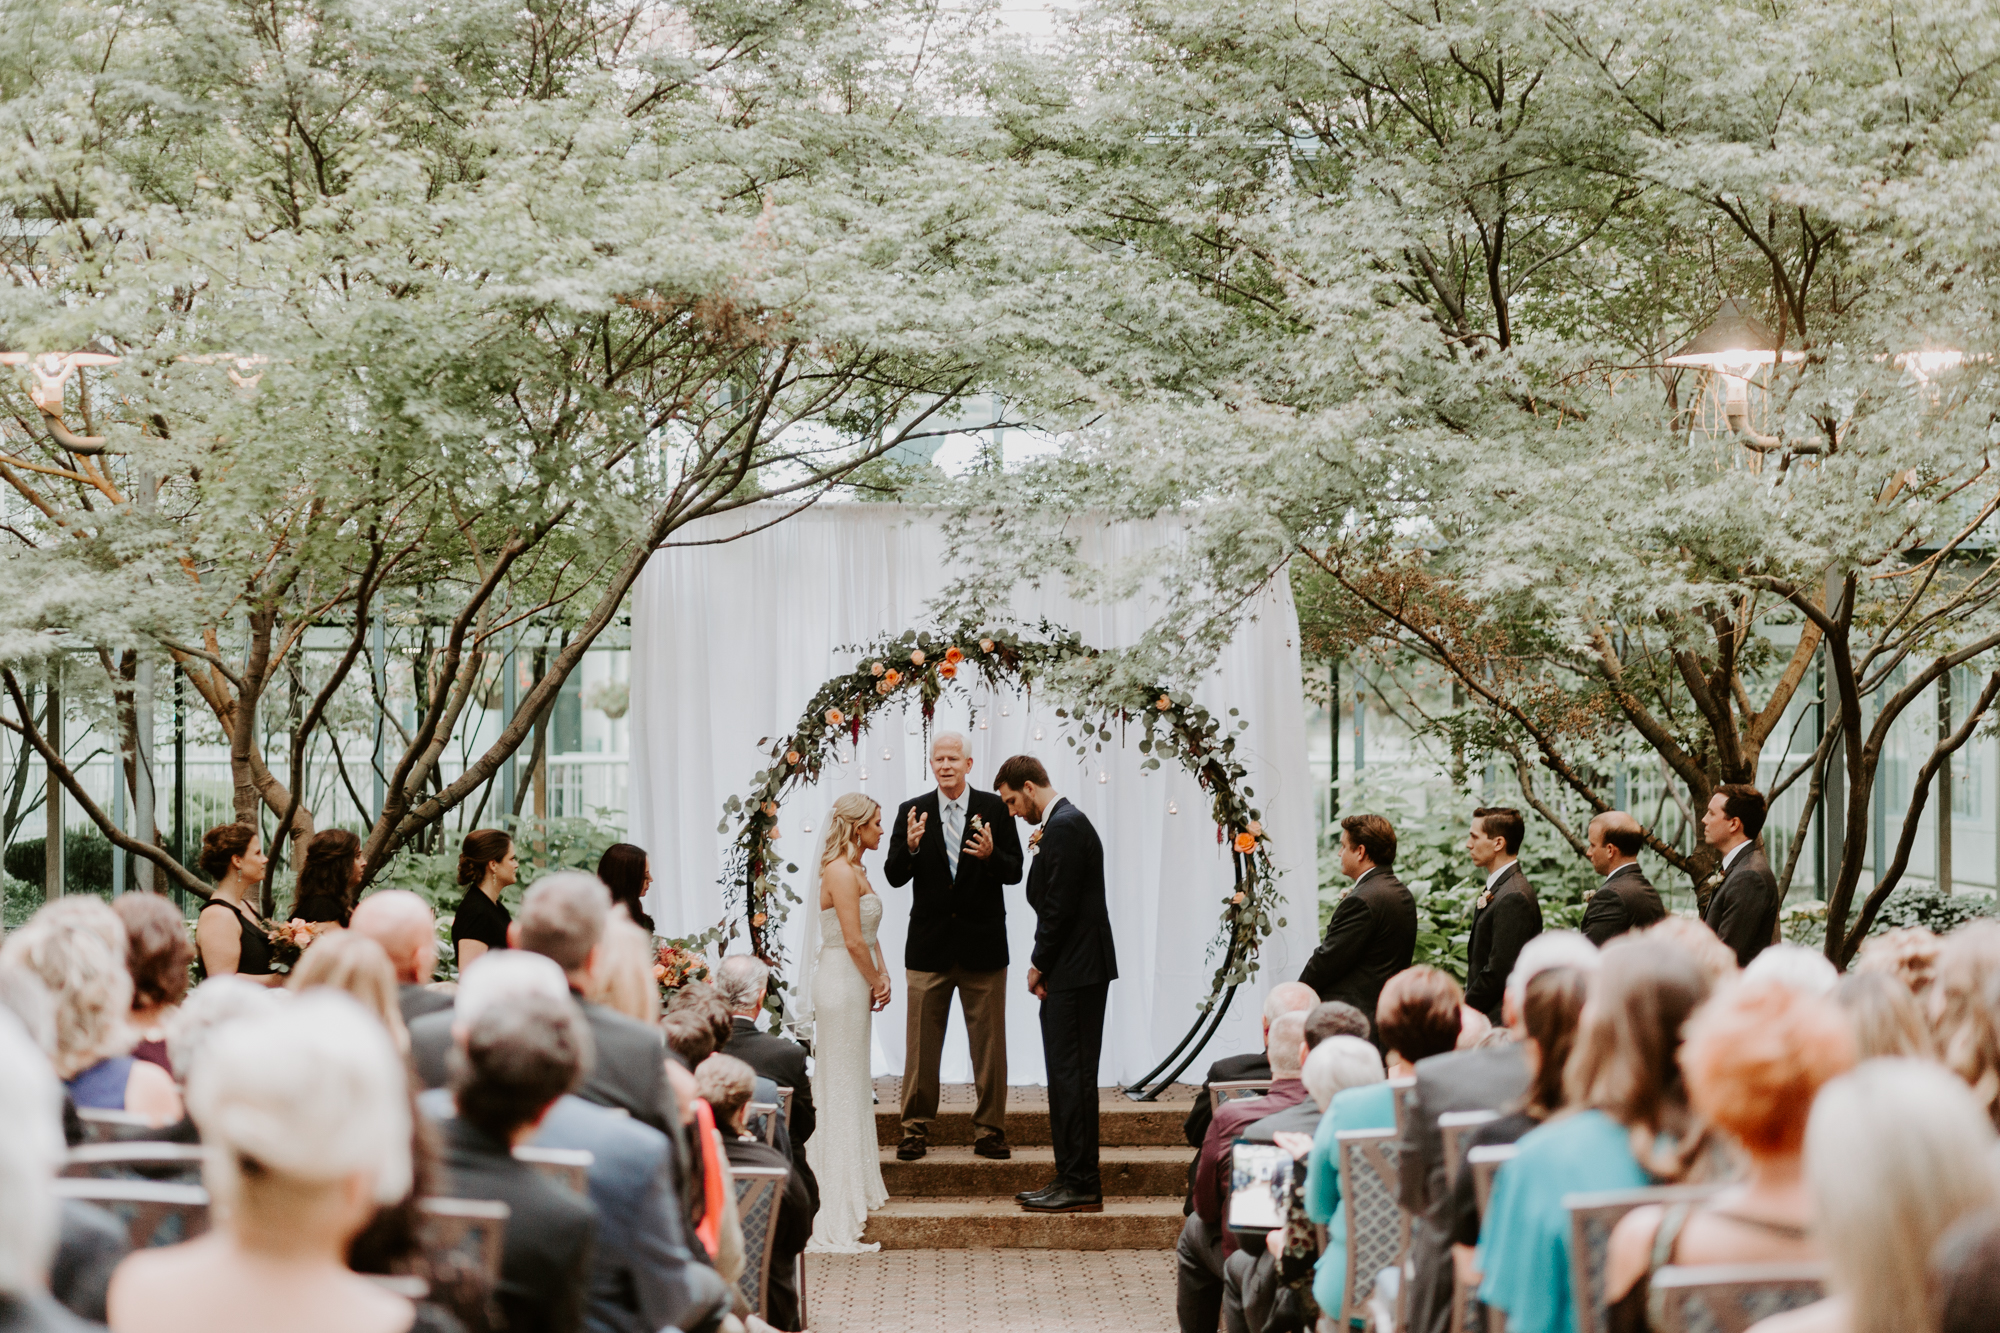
(1418, 1016)
(1631, 1128)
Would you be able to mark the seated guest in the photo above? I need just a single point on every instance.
(307, 1119)
(1628, 1126)
(1755, 1057)
(1965, 1275)
(1204, 1245)
(725, 1085)
(563, 917)
(514, 1059)
(402, 923)
(76, 947)
(1626, 899)
(1907, 953)
(157, 954)
(1716, 960)
(705, 1002)
(1550, 1011)
(623, 982)
(487, 867)
(626, 872)
(1887, 1019)
(742, 981)
(1335, 1018)
(1417, 1017)
(643, 1275)
(1896, 1152)
(1284, 998)
(1373, 932)
(31, 1152)
(1807, 971)
(1962, 1009)
(329, 878)
(230, 934)
(210, 1007)
(356, 965)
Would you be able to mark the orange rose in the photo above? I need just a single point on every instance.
(759, 919)
(953, 656)
(1246, 843)
(1237, 899)
(659, 971)
(917, 657)
(791, 756)
(893, 679)
(1164, 704)
(947, 671)
(986, 645)
(770, 807)
(833, 717)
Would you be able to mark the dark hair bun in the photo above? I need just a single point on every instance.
(482, 847)
(223, 844)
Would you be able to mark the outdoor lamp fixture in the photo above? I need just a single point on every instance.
(1733, 346)
(52, 371)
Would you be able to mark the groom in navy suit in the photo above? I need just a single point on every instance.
(1071, 972)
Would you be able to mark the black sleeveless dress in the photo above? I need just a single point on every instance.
(253, 958)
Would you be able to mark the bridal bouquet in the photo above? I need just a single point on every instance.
(675, 966)
(290, 939)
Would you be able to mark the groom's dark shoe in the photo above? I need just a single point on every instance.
(993, 1146)
(1049, 1188)
(1064, 1199)
(911, 1148)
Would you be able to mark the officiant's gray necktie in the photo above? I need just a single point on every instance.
(953, 831)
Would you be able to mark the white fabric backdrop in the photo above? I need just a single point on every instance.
(730, 641)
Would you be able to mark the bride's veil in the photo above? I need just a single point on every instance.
(802, 984)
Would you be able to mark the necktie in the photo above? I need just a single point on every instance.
(954, 829)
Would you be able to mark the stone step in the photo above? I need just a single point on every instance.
(1121, 1123)
(956, 1171)
(985, 1223)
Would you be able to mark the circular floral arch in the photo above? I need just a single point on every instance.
(1099, 705)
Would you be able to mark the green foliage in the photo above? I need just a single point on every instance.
(1923, 905)
(86, 861)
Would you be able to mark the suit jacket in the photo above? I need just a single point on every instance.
(1066, 888)
(1510, 918)
(1372, 937)
(416, 1001)
(630, 1070)
(1229, 1069)
(546, 1256)
(955, 920)
(784, 1063)
(1211, 1181)
(1627, 901)
(1743, 911)
(1490, 1078)
(790, 1230)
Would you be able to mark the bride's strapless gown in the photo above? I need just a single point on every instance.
(843, 1150)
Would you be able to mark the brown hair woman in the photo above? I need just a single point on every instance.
(229, 935)
(486, 865)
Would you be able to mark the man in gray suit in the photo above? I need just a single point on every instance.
(1743, 910)
(1488, 1078)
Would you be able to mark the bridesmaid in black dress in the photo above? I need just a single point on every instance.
(329, 877)
(626, 872)
(486, 865)
(229, 935)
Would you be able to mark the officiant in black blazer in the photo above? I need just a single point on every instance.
(959, 849)
(1071, 974)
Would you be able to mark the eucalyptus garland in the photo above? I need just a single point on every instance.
(1097, 706)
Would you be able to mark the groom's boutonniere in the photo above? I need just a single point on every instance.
(1034, 840)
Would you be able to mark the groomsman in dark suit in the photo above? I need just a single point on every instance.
(1506, 916)
(961, 849)
(1743, 910)
(1071, 973)
(1373, 933)
(1626, 900)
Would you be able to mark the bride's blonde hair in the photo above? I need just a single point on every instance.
(843, 827)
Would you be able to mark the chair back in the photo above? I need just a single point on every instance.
(1486, 1163)
(101, 1126)
(785, 1101)
(761, 1119)
(568, 1167)
(1729, 1298)
(1236, 1089)
(176, 1163)
(471, 1231)
(1378, 1230)
(1403, 1092)
(1454, 1127)
(758, 1189)
(151, 1212)
(1592, 1217)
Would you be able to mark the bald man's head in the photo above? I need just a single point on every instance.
(1287, 997)
(402, 924)
(1614, 841)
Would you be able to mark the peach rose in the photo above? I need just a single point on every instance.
(986, 645)
(759, 919)
(1238, 899)
(659, 971)
(1256, 829)
(947, 671)
(834, 718)
(1246, 843)
(791, 756)
(884, 686)
(917, 657)
(1164, 704)
(875, 668)
(770, 807)
(953, 656)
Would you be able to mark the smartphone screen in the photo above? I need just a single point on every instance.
(1260, 1175)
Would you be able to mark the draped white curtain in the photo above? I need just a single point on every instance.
(729, 643)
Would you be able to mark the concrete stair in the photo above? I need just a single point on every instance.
(953, 1199)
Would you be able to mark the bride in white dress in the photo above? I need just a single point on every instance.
(846, 983)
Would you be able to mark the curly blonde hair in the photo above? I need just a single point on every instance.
(1961, 1002)
(843, 827)
(85, 977)
(1907, 953)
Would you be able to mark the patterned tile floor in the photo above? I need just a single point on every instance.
(992, 1291)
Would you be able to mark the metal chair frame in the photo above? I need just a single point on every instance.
(97, 1159)
(1729, 1298)
(1486, 1163)
(761, 1119)
(1368, 1159)
(757, 1187)
(1219, 1094)
(1453, 1127)
(566, 1166)
(1591, 1219)
(143, 1206)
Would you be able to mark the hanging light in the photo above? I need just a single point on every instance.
(1173, 808)
(806, 827)
(1006, 711)
(1733, 345)
(864, 775)
(1038, 733)
(982, 724)
(886, 754)
(1102, 777)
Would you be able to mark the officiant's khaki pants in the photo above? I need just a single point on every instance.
(984, 998)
